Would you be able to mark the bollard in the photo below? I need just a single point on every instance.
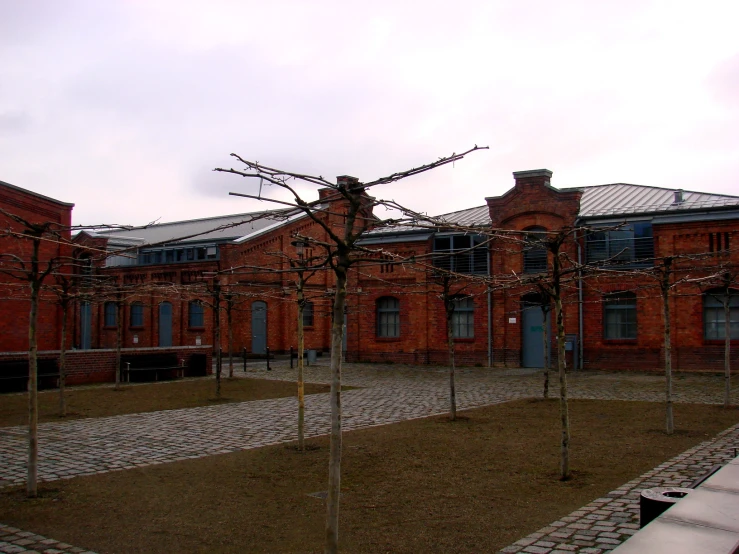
(291, 357)
(244, 354)
(268, 368)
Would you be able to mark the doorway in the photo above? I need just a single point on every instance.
(259, 327)
(532, 331)
(165, 324)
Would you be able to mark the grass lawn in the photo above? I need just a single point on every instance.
(427, 485)
(165, 395)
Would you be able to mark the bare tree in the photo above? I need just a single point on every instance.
(347, 217)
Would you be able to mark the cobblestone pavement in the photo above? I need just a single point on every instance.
(386, 394)
(14, 540)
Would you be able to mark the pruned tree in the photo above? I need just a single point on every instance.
(33, 270)
(344, 214)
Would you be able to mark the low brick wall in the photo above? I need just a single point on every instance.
(98, 366)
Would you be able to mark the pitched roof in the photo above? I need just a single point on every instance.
(625, 199)
(219, 229)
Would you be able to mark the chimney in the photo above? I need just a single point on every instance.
(346, 180)
(535, 177)
(678, 197)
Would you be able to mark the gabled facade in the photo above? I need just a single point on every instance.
(612, 307)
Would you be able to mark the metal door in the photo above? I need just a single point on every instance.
(85, 326)
(532, 335)
(259, 327)
(165, 324)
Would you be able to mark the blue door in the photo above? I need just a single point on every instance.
(85, 326)
(259, 327)
(532, 335)
(165, 324)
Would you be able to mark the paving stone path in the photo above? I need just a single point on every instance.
(387, 394)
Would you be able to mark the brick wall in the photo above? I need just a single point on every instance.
(98, 366)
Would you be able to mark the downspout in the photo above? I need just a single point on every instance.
(490, 317)
(580, 323)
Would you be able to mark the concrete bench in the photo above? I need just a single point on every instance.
(706, 521)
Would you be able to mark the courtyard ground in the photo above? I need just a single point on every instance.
(423, 485)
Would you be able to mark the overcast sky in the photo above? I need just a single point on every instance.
(125, 107)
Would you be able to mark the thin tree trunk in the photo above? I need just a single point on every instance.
(301, 346)
(62, 362)
(118, 341)
(32, 485)
(217, 341)
(449, 307)
(229, 307)
(334, 466)
(665, 287)
(727, 348)
(564, 413)
(546, 353)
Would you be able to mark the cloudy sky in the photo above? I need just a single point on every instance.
(125, 107)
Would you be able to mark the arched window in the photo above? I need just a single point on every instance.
(308, 314)
(714, 318)
(619, 315)
(463, 318)
(534, 251)
(137, 315)
(196, 314)
(388, 317)
(109, 313)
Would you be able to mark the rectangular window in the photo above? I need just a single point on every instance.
(619, 316)
(463, 319)
(137, 315)
(461, 253)
(628, 245)
(110, 314)
(714, 318)
(308, 314)
(196, 314)
(388, 317)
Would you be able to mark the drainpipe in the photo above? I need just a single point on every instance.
(490, 318)
(579, 299)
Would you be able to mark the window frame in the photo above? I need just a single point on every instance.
(718, 320)
(110, 315)
(463, 318)
(469, 259)
(619, 306)
(629, 244)
(136, 315)
(195, 314)
(534, 255)
(387, 309)
(308, 313)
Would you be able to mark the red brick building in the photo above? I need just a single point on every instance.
(612, 307)
(165, 276)
(15, 255)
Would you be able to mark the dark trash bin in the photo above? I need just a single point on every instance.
(654, 502)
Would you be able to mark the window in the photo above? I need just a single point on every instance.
(171, 255)
(630, 244)
(461, 253)
(308, 314)
(463, 318)
(137, 314)
(534, 252)
(714, 320)
(196, 314)
(619, 315)
(388, 317)
(110, 314)
(718, 242)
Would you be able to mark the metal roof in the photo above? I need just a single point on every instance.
(625, 199)
(470, 217)
(219, 229)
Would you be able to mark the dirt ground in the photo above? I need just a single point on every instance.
(428, 485)
(102, 401)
